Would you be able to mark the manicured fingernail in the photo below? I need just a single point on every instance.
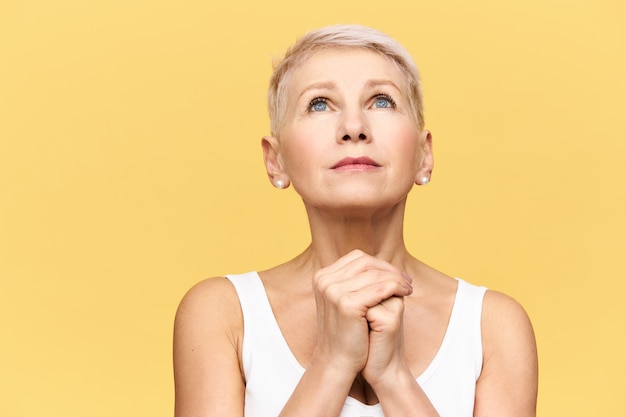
(407, 277)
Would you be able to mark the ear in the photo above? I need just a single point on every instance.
(273, 161)
(427, 161)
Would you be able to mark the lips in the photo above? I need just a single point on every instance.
(360, 163)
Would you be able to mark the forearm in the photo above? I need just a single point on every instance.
(402, 396)
(321, 392)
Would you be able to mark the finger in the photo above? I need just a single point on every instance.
(390, 307)
(363, 288)
(344, 260)
(362, 265)
(386, 316)
(357, 303)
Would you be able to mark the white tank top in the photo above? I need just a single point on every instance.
(272, 371)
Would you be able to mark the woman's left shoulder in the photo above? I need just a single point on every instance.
(501, 310)
(507, 385)
(507, 331)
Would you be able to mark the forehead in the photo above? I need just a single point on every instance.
(343, 67)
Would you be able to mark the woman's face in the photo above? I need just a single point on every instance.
(348, 138)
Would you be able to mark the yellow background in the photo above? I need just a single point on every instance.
(130, 168)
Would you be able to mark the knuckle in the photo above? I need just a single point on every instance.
(344, 304)
(357, 252)
(322, 282)
(381, 289)
(319, 275)
(374, 273)
(386, 289)
(331, 293)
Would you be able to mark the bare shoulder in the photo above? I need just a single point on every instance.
(508, 383)
(207, 343)
(210, 303)
(212, 296)
(209, 313)
(504, 319)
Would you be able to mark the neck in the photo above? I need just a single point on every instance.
(379, 234)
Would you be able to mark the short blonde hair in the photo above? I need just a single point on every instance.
(341, 36)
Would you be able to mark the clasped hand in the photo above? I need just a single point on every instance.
(360, 304)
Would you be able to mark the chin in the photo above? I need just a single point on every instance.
(357, 204)
(355, 196)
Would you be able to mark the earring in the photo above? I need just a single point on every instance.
(280, 184)
(424, 181)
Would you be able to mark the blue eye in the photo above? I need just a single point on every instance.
(384, 102)
(318, 104)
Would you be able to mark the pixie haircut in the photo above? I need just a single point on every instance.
(341, 36)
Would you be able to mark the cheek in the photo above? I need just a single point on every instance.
(302, 148)
(406, 142)
(410, 155)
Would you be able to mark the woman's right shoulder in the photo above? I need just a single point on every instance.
(210, 287)
(215, 295)
(208, 334)
(210, 300)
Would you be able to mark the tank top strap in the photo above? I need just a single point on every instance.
(469, 318)
(262, 335)
(270, 369)
(256, 311)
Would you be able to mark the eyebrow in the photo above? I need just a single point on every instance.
(325, 85)
(329, 85)
(377, 83)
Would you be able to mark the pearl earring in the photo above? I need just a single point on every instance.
(424, 181)
(279, 184)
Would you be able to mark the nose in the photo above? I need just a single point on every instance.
(361, 136)
(354, 127)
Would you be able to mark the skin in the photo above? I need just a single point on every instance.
(359, 312)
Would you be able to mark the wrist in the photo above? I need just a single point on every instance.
(392, 379)
(321, 391)
(400, 395)
(335, 364)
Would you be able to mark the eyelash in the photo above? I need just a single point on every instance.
(386, 97)
(324, 100)
(315, 101)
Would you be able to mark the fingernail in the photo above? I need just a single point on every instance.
(407, 277)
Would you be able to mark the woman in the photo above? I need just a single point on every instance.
(355, 325)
